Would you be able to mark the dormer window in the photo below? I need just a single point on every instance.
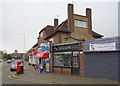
(81, 24)
(41, 34)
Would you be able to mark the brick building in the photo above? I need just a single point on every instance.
(76, 28)
(44, 33)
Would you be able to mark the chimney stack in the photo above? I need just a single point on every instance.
(71, 17)
(55, 23)
(89, 16)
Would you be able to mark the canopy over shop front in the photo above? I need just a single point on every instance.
(41, 55)
(35, 52)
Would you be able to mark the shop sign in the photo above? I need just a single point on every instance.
(66, 47)
(102, 47)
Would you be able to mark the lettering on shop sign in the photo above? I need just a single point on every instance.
(66, 47)
(57, 48)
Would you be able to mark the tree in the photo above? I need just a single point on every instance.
(7, 56)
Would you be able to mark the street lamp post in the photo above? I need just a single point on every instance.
(23, 44)
(23, 41)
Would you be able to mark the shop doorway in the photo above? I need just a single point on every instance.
(75, 63)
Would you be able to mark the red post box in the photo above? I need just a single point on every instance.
(18, 67)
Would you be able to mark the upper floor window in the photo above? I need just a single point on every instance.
(51, 40)
(79, 23)
(41, 34)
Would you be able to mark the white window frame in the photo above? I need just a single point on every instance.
(81, 24)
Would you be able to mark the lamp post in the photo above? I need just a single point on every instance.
(23, 44)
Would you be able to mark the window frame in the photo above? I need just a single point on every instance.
(81, 24)
(63, 59)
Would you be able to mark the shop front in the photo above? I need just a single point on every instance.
(42, 56)
(102, 57)
(66, 58)
(31, 58)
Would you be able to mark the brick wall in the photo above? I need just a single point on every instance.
(62, 70)
(81, 64)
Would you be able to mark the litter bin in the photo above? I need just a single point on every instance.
(22, 69)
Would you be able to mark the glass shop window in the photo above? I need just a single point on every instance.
(62, 59)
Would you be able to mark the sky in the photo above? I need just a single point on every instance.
(28, 17)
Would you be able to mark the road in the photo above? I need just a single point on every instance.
(6, 79)
(32, 76)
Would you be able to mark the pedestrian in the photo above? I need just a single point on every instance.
(41, 68)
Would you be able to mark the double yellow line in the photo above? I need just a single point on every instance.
(28, 80)
(9, 76)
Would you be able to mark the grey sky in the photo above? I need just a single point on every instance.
(30, 17)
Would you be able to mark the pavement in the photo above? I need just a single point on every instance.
(32, 75)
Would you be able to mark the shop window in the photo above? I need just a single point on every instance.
(62, 59)
(79, 23)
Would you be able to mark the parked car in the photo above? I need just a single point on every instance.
(9, 61)
(1, 60)
(4, 60)
(13, 66)
(13, 60)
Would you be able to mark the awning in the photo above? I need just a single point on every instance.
(35, 52)
(41, 55)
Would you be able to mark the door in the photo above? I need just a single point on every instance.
(76, 63)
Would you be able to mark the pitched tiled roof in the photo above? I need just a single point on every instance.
(48, 29)
(96, 34)
(63, 27)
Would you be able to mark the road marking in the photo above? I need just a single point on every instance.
(29, 80)
(9, 76)
(52, 83)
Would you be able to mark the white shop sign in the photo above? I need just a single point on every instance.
(102, 46)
